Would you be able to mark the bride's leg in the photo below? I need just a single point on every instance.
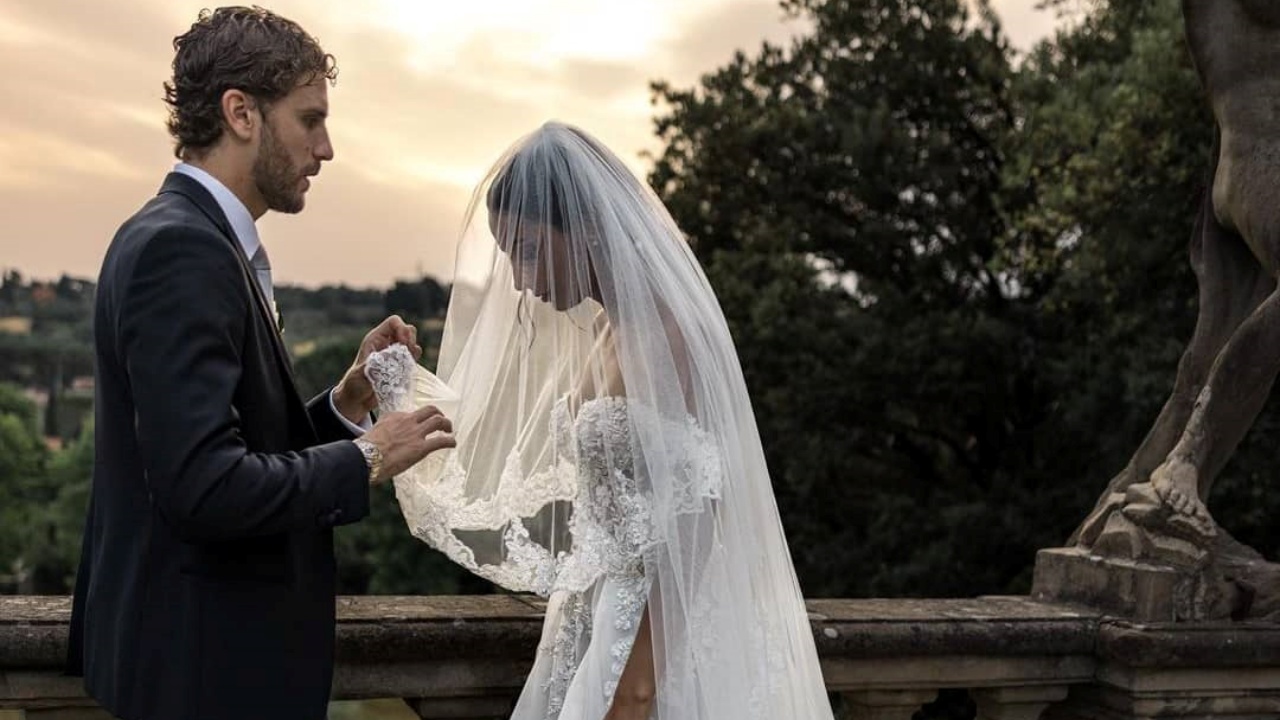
(633, 700)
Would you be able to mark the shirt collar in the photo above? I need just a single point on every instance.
(242, 224)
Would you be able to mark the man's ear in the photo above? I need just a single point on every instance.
(241, 113)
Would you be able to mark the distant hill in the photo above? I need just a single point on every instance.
(46, 335)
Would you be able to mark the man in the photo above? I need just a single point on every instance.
(206, 585)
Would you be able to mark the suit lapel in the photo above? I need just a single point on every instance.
(180, 184)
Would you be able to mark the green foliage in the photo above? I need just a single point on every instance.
(55, 521)
(329, 312)
(14, 403)
(378, 556)
(324, 365)
(44, 496)
(842, 195)
(1106, 177)
(22, 480)
(417, 301)
(959, 288)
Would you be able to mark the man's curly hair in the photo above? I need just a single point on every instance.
(245, 48)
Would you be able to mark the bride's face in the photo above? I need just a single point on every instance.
(544, 262)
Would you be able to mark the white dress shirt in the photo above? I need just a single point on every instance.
(246, 232)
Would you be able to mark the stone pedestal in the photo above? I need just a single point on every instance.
(1140, 591)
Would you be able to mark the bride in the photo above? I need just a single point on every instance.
(607, 457)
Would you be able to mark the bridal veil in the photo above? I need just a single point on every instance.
(607, 456)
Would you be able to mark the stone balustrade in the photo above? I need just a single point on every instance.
(1018, 659)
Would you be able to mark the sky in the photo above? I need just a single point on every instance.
(429, 94)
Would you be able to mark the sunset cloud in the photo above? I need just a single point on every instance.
(428, 96)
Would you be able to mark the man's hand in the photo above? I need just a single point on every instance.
(353, 396)
(406, 438)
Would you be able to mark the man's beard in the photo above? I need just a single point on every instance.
(278, 181)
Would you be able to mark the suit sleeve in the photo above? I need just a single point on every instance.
(181, 332)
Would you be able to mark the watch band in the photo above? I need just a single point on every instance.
(372, 457)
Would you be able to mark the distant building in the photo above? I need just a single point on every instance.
(39, 396)
(15, 325)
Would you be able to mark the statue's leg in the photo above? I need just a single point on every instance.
(1232, 283)
(1238, 386)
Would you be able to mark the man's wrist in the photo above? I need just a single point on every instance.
(352, 409)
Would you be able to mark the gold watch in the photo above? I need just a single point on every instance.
(372, 457)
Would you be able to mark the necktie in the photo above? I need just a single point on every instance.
(262, 269)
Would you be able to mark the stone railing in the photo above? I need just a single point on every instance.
(466, 657)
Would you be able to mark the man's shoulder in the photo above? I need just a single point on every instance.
(168, 214)
(168, 219)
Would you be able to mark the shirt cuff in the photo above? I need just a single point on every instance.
(365, 425)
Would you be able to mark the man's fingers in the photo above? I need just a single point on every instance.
(398, 330)
(437, 423)
(439, 442)
(425, 413)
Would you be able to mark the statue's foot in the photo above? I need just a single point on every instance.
(1178, 485)
(1096, 523)
(1170, 503)
(1142, 504)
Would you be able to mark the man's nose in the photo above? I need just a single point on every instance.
(324, 150)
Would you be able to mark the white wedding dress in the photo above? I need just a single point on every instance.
(601, 589)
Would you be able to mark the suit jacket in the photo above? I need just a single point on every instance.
(207, 582)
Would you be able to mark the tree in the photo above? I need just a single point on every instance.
(13, 402)
(1103, 187)
(378, 555)
(55, 522)
(842, 195)
(325, 364)
(22, 464)
(417, 301)
(959, 290)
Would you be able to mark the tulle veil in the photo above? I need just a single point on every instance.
(605, 437)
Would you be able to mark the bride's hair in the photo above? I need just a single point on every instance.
(551, 200)
(503, 194)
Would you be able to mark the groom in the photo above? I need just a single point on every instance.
(206, 582)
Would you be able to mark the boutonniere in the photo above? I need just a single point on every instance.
(275, 310)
